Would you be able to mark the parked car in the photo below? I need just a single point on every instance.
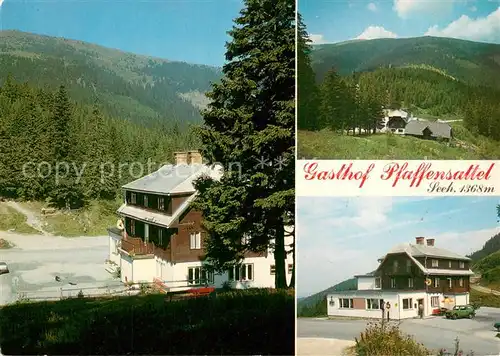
(461, 311)
(497, 326)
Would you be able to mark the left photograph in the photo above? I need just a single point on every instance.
(147, 190)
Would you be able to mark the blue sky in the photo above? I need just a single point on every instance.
(193, 31)
(330, 21)
(338, 238)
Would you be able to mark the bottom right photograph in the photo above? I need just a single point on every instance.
(398, 276)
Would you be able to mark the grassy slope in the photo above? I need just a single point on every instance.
(235, 323)
(315, 298)
(11, 219)
(329, 145)
(93, 220)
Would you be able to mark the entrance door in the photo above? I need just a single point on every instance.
(420, 307)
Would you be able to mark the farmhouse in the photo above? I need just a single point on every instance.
(410, 279)
(400, 122)
(160, 237)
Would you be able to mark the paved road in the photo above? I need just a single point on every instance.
(435, 333)
(37, 259)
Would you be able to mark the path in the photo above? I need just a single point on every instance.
(32, 219)
(485, 290)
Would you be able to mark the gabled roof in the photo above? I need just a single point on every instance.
(172, 179)
(400, 113)
(438, 129)
(414, 250)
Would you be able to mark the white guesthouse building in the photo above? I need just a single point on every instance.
(161, 238)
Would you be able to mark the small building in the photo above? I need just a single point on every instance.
(160, 236)
(408, 276)
(395, 121)
(431, 130)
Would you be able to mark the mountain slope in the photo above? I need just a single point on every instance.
(473, 62)
(139, 88)
(349, 284)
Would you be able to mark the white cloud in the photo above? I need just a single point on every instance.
(485, 29)
(372, 7)
(473, 8)
(317, 38)
(1, 2)
(405, 8)
(373, 32)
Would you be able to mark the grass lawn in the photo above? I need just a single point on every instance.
(330, 145)
(249, 322)
(11, 219)
(93, 220)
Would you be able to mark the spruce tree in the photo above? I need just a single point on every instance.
(307, 90)
(249, 124)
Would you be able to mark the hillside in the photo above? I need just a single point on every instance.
(142, 89)
(472, 62)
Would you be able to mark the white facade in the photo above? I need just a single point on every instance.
(403, 305)
(368, 282)
(258, 273)
(114, 245)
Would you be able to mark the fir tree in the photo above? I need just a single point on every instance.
(250, 122)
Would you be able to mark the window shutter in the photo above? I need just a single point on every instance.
(250, 272)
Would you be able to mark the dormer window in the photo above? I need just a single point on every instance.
(161, 203)
(462, 264)
(435, 263)
(133, 198)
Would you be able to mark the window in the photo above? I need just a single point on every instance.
(195, 240)
(146, 201)
(435, 263)
(434, 302)
(241, 273)
(132, 227)
(161, 203)
(410, 282)
(408, 266)
(461, 282)
(436, 282)
(346, 303)
(462, 264)
(332, 302)
(393, 282)
(198, 275)
(377, 282)
(273, 270)
(449, 264)
(133, 198)
(290, 268)
(395, 266)
(407, 303)
(146, 232)
(373, 304)
(450, 283)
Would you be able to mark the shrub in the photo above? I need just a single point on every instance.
(385, 338)
(239, 322)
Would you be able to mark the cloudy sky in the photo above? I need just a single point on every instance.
(341, 237)
(335, 21)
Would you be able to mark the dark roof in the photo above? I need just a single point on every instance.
(438, 129)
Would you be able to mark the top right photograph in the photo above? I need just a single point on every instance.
(399, 80)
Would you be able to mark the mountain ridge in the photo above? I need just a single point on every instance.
(132, 86)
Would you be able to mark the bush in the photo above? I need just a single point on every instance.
(237, 322)
(385, 338)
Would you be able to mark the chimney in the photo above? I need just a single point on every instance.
(419, 240)
(181, 158)
(194, 157)
(430, 242)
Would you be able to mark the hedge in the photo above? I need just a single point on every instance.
(237, 323)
